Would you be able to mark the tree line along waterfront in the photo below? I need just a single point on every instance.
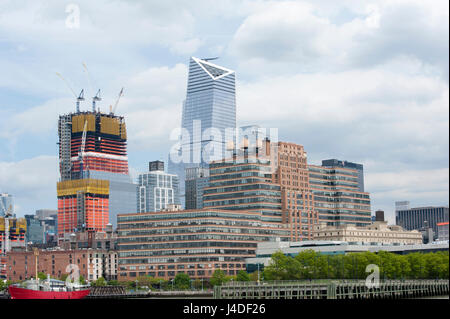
(307, 265)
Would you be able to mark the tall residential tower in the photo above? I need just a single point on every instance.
(95, 185)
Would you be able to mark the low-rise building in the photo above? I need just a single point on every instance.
(378, 232)
(91, 263)
(265, 250)
(196, 242)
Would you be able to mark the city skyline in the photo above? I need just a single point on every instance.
(345, 82)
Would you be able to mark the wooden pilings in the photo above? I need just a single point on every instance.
(386, 289)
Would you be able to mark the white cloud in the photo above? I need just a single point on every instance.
(31, 181)
(153, 105)
(296, 36)
(365, 81)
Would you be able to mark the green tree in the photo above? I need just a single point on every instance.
(81, 280)
(42, 276)
(218, 278)
(417, 265)
(2, 285)
(145, 281)
(280, 267)
(306, 267)
(197, 284)
(182, 281)
(100, 282)
(242, 276)
(113, 283)
(254, 275)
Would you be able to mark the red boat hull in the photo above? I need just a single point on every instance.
(23, 293)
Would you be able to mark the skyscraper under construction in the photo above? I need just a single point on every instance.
(95, 184)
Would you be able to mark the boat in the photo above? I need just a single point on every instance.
(48, 289)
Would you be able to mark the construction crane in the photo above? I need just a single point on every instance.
(78, 98)
(113, 109)
(81, 153)
(95, 99)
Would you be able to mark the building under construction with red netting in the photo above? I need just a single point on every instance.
(95, 184)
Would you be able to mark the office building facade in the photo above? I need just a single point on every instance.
(208, 118)
(337, 196)
(195, 242)
(422, 217)
(272, 179)
(197, 179)
(35, 230)
(345, 164)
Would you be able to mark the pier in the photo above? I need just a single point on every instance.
(357, 289)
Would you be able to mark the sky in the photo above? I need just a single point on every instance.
(362, 81)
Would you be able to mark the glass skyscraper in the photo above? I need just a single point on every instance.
(6, 204)
(208, 118)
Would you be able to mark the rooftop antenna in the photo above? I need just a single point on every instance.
(79, 98)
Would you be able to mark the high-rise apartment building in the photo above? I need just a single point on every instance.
(95, 185)
(337, 196)
(156, 189)
(208, 118)
(422, 217)
(291, 173)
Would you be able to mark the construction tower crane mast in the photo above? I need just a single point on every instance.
(95, 99)
(81, 153)
(78, 98)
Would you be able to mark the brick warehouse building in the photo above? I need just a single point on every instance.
(92, 263)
